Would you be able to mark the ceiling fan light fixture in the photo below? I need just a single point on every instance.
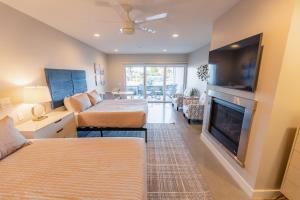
(127, 30)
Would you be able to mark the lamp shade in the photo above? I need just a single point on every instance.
(39, 94)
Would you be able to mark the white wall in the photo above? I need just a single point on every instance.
(116, 71)
(266, 154)
(196, 59)
(27, 46)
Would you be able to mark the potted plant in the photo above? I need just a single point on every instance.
(193, 92)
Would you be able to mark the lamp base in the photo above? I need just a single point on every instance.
(38, 112)
(40, 118)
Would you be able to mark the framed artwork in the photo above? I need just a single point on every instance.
(97, 68)
(99, 75)
(98, 79)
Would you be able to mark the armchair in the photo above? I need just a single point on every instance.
(193, 108)
(189, 93)
(177, 100)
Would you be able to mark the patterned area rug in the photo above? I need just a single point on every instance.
(172, 172)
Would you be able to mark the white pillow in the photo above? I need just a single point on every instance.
(94, 97)
(186, 92)
(80, 102)
(202, 98)
(10, 138)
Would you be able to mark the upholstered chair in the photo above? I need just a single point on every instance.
(177, 100)
(193, 108)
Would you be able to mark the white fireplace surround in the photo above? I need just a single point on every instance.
(228, 162)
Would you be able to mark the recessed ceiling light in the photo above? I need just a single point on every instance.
(165, 50)
(234, 46)
(175, 35)
(116, 50)
(97, 35)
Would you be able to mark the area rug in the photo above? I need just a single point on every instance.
(172, 172)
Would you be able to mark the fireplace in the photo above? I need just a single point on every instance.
(228, 122)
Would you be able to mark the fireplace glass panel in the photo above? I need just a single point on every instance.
(226, 123)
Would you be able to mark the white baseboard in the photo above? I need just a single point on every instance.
(265, 194)
(252, 193)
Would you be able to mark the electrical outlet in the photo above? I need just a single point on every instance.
(20, 116)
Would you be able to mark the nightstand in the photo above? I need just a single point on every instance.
(59, 124)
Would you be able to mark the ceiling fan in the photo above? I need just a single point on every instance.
(129, 25)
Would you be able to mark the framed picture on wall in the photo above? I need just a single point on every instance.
(98, 79)
(97, 68)
(99, 75)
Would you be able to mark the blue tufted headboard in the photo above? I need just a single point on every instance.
(63, 83)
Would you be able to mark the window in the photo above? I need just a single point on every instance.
(155, 82)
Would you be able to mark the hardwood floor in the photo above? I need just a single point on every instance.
(220, 183)
(161, 113)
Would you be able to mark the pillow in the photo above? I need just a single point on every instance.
(67, 103)
(10, 138)
(202, 98)
(80, 102)
(186, 92)
(94, 97)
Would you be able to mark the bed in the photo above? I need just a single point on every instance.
(113, 115)
(120, 113)
(89, 168)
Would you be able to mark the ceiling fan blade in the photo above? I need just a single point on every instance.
(157, 17)
(152, 18)
(101, 3)
(145, 29)
(121, 9)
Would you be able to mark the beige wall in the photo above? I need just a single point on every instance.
(27, 46)
(286, 110)
(272, 18)
(196, 59)
(116, 71)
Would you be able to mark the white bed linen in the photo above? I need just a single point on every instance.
(89, 168)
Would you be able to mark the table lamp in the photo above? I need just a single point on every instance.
(37, 96)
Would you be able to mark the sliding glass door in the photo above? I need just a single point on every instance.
(135, 81)
(174, 81)
(155, 77)
(156, 83)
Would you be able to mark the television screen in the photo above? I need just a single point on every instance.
(236, 65)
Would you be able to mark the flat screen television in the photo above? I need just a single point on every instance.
(236, 65)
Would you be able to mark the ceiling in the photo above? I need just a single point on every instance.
(191, 19)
